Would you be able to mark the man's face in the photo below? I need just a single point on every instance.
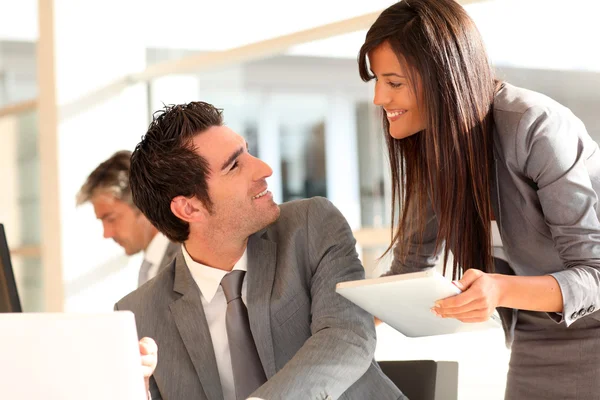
(237, 185)
(122, 223)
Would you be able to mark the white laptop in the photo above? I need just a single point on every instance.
(53, 356)
(404, 302)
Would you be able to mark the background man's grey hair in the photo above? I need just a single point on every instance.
(112, 177)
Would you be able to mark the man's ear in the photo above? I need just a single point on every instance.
(188, 209)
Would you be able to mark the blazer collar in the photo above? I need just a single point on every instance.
(172, 250)
(494, 183)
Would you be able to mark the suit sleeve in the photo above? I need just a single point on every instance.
(554, 153)
(422, 253)
(342, 343)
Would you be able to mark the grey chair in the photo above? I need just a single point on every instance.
(424, 379)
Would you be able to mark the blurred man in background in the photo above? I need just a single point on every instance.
(107, 188)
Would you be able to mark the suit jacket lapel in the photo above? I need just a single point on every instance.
(190, 319)
(495, 194)
(262, 262)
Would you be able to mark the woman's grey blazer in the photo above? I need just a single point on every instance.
(545, 199)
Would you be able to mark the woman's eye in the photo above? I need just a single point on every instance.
(234, 166)
(394, 85)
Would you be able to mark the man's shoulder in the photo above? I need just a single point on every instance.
(295, 208)
(315, 217)
(297, 214)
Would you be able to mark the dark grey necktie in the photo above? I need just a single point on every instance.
(248, 373)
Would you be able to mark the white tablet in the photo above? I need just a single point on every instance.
(404, 302)
(54, 356)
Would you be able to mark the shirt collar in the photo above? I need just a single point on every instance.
(156, 249)
(208, 278)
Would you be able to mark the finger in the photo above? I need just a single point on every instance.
(149, 343)
(148, 346)
(474, 320)
(149, 356)
(147, 372)
(377, 321)
(473, 313)
(477, 304)
(470, 276)
(149, 360)
(459, 300)
(148, 365)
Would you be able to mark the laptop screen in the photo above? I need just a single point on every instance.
(9, 297)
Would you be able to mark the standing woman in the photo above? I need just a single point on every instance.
(466, 150)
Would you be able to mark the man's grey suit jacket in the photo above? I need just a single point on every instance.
(313, 343)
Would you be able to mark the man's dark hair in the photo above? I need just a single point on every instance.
(164, 165)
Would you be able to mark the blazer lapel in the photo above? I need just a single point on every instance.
(262, 262)
(190, 319)
(495, 195)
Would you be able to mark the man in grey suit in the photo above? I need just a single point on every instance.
(107, 188)
(248, 308)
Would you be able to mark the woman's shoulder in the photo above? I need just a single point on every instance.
(515, 100)
(517, 108)
(521, 114)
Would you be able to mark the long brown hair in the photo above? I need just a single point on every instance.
(449, 164)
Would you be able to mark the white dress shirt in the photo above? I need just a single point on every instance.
(155, 252)
(208, 280)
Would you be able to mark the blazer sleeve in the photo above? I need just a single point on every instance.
(422, 253)
(342, 342)
(552, 150)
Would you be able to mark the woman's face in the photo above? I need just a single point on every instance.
(394, 93)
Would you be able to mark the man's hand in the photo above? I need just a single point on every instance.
(480, 296)
(149, 353)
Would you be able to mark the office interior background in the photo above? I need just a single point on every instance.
(80, 80)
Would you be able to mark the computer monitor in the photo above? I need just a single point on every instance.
(9, 296)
